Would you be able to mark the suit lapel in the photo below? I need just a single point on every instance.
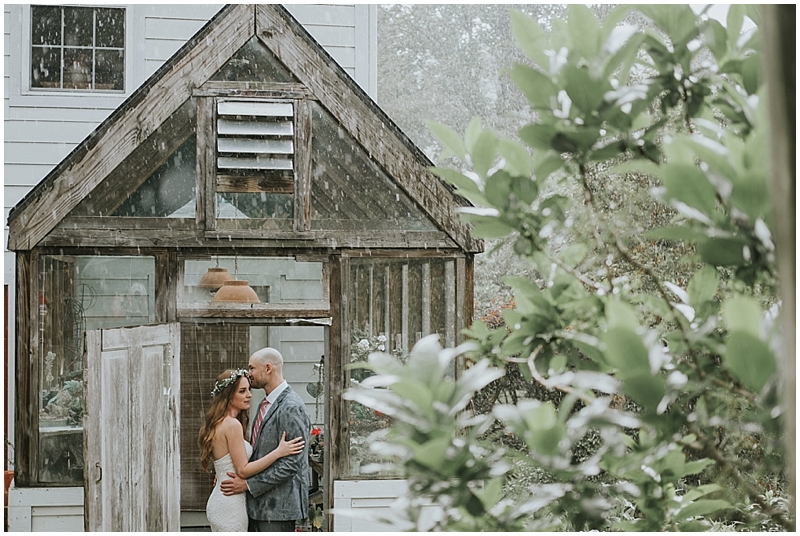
(273, 407)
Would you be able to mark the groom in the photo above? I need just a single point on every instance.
(278, 496)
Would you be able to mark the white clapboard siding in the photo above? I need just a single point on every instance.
(45, 510)
(358, 505)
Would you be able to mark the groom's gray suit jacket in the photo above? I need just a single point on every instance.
(280, 492)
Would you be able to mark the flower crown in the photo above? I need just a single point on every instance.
(222, 384)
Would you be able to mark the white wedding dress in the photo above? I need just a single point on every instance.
(227, 513)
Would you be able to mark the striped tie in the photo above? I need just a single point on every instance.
(262, 411)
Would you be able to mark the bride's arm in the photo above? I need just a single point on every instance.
(239, 454)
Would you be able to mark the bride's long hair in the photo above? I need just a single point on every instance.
(217, 412)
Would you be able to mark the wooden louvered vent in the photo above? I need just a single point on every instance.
(255, 146)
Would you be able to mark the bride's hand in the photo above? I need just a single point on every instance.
(287, 448)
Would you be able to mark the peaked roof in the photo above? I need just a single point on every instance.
(152, 104)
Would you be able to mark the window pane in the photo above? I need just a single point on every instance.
(170, 191)
(394, 303)
(110, 69)
(77, 68)
(46, 25)
(78, 26)
(110, 28)
(76, 294)
(274, 279)
(46, 67)
(260, 205)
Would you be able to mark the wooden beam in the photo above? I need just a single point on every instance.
(206, 166)
(254, 310)
(363, 120)
(27, 396)
(264, 90)
(302, 165)
(123, 131)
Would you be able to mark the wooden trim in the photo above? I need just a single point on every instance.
(338, 436)
(302, 165)
(92, 379)
(363, 120)
(27, 372)
(271, 183)
(450, 303)
(206, 164)
(255, 310)
(426, 299)
(267, 90)
(404, 309)
(122, 132)
(166, 290)
(96, 237)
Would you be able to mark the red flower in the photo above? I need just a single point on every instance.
(316, 431)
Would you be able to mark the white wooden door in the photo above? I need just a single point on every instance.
(131, 429)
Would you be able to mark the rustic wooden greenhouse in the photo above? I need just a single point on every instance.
(251, 154)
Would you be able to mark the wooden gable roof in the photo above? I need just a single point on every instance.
(151, 106)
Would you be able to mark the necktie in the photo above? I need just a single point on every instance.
(262, 411)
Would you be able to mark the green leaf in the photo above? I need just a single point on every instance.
(644, 388)
(688, 184)
(701, 491)
(472, 132)
(498, 189)
(586, 93)
(483, 152)
(414, 391)
(537, 87)
(538, 136)
(530, 38)
(703, 286)
(518, 159)
(734, 22)
(621, 315)
(449, 138)
(702, 508)
(432, 453)
(742, 313)
(584, 29)
(722, 251)
(749, 359)
(626, 351)
(717, 38)
(545, 163)
(456, 179)
(491, 229)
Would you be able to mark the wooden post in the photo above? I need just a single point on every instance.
(426, 299)
(780, 69)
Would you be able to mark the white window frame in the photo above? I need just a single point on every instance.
(20, 92)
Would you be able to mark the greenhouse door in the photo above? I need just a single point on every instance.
(131, 430)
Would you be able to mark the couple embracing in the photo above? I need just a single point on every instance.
(261, 485)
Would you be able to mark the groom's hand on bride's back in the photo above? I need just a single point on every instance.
(233, 485)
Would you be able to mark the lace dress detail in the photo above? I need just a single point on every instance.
(227, 513)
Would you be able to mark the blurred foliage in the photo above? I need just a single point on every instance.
(629, 381)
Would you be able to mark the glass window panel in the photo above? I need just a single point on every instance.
(46, 67)
(254, 63)
(348, 186)
(170, 191)
(78, 26)
(259, 205)
(394, 303)
(77, 68)
(77, 293)
(70, 48)
(46, 25)
(110, 28)
(275, 279)
(110, 69)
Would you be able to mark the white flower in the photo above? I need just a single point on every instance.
(381, 338)
(363, 344)
(381, 347)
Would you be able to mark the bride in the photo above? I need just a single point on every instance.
(223, 445)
